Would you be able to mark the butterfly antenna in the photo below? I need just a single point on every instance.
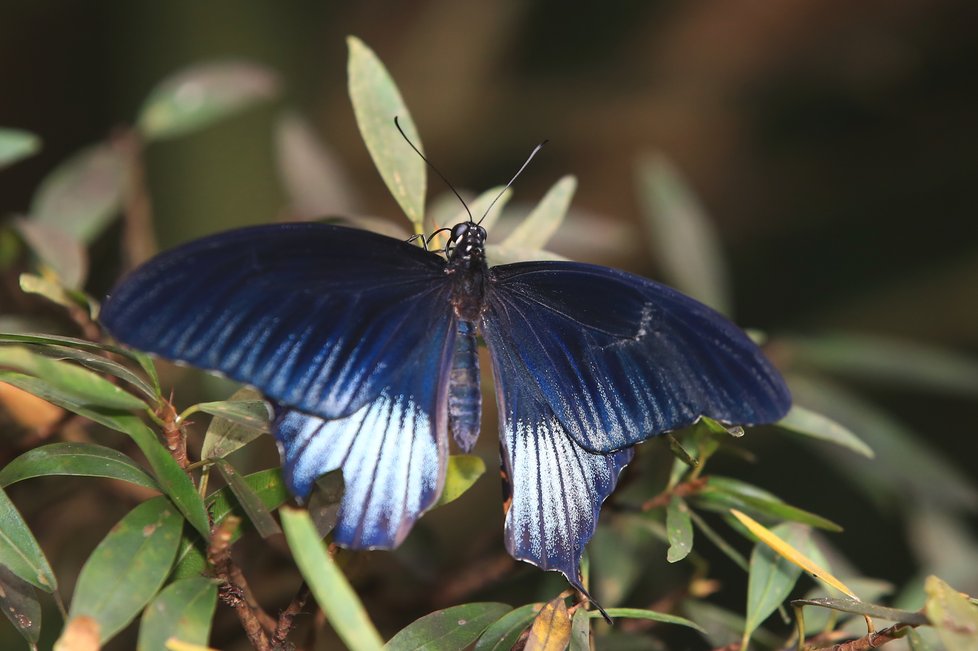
(520, 171)
(442, 176)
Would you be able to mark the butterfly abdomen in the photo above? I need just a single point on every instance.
(464, 394)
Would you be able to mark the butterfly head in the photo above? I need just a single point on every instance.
(467, 242)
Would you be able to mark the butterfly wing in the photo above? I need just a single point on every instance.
(619, 358)
(316, 316)
(556, 487)
(392, 450)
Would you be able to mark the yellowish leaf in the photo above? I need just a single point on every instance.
(791, 554)
(551, 630)
(81, 634)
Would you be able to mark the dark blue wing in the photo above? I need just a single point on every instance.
(556, 487)
(316, 316)
(619, 358)
(391, 451)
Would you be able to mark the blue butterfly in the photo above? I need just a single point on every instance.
(367, 346)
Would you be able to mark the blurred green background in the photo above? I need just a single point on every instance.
(832, 144)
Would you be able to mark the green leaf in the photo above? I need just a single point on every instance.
(203, 94)
(682, 236)
(128, 567)
(56, 249)
(723, 627)
(332, 591)
(772, 577)
(580, 631)
(266, 484)
(376, 102)
(239, 421)
(19, 550)
(183, 610)
(502, 634)
(90, 389)
(543, 221)
(50, 289)
(724, 493)
(258, 514)
(952, 614)
(325, 499)
(479, 206)
(83, 194)
(99, 364)
(462, 472)
(813, 424)
(848, 605)
(16, 145)
(253, 414)
(680, 529)
(83, 344)
(638, 613)
(19, 603)
(905, 470)
(452, 628)
(885, 360)
(77, 460)
(314, 181)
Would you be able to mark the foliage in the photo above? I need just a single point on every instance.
(167, 562)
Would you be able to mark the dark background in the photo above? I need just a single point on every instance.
(833, 144)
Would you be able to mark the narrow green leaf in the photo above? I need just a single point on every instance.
(462, 472)
(502, 634)
(478, 206)
(203, 94)
(16, 145)
(82, 344)
(724, 493)
(952, 614)
(325, 499)
(55, 249)
(314, 181)
(720, 543)
(99, 364)
(638, 613)
(723, 627)
(682, 236)
(266, 484)
(257, 513)
(83, 194)
(771, 578)
(544, 220)
(90, 388)
(239, 420)
(680, 529)
(128, 567)
(452, 628)
(77, 460)
(332, 591)
(183, 610)
(923, 640)
(551, 630)
(376, 102)
(817, 426)
(906, 470)
(848, 605)
(885, 360)
(19, 603)
(253, 414)
(580, 639)
(51, 290)
(19, 550)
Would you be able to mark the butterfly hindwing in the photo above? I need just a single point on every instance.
(555, 486)
(392, 451)
(316, 316)
(619, 358)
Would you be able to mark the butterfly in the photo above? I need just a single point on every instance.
(367, 347)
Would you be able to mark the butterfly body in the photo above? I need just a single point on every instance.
(367, 346)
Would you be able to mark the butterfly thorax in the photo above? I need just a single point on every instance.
(466, 251)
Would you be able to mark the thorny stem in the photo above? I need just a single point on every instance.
(870, 641)
(174, 433)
